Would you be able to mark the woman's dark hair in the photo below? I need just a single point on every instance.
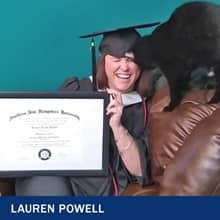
(142, 86)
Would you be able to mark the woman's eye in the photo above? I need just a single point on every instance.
(130, 60)
(116, 60)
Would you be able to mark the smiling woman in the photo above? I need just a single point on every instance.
(120, 76)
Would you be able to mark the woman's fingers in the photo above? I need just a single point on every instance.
(114, 106)
(115, 95)
(114, 110)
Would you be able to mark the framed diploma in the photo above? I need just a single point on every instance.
(53, 133)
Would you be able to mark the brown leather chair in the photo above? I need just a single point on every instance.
(185, 146)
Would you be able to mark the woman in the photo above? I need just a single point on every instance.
(121, 77)
(118, 75)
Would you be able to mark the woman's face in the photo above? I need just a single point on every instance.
(122, 73)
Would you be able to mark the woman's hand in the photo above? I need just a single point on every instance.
(114, 109)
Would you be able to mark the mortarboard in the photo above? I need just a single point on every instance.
(115, 42)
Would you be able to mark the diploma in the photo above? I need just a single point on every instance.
(53, 133)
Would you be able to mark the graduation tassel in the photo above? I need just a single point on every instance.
(93, 61)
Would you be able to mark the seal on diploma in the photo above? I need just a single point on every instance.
(44, 154)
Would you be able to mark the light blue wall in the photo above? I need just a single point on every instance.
(39, 44)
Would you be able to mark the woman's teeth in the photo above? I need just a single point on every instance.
(123, 76)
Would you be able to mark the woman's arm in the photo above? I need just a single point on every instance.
(126, 144)
(128, 150)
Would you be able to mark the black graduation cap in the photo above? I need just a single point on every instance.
(115, 42)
